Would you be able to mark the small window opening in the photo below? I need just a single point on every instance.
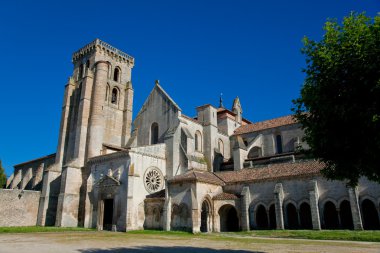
(279, 144)
(154, 133)
(116, 74)
(80, 72)
(114, 96)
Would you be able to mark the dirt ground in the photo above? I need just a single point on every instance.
(106, 242)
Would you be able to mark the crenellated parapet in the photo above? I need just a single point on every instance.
(104, 48)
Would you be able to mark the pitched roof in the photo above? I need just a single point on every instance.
(156, 195)
(225, 196)
(272, 123)
(272, 171)
(198, 176)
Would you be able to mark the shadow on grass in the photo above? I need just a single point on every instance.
(157, 249)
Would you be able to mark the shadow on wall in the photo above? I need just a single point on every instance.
(156, 249)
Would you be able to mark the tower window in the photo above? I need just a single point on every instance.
(116, 74)
(88, 64)
(154, 133)
(114, 96)
(278, 144)
(107, 92)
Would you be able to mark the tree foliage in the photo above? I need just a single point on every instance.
(3, 177)
(339, 105)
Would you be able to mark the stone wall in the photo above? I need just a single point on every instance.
(18, 207)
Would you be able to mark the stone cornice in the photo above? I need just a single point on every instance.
(103, 46)
(107, 157)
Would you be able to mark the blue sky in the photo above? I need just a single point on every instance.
(197, 49)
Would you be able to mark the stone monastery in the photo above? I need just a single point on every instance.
(214, 172)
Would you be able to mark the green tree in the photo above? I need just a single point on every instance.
(3, 177)
(339, 105)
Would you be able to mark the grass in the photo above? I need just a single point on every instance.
(345, 235)
(35, 229)
(342, 235)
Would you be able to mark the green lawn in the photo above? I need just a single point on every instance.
(346, 235)
(35, 229)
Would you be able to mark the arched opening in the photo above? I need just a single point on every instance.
(221, 147)
(330, 216)
(198, 141)
(116, 74)
(278, 144)
(272, 217)
(261, 217)
(254, 152)
(345, 215)
(292, 216)
(305, 216)
(114, 96)
(154, 133)
(370, 215)
(88, 64)
(229, 220)
(107, 214)
(205, 213)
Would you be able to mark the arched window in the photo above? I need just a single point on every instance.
(88, 64)
(255, 152)
(221, 146)
(80, 72)
(278, 144)
(198, 141)
(116, 74)
(114, 96)
(154, 133)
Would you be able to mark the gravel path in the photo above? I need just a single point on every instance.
(106, 242)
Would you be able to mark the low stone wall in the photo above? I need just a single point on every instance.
(18, 207)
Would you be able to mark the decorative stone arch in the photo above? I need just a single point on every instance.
(206, 214)
(370, 213)
(291, 214)
(345, 213)
(115, 95)
(117, 74)
(257, 142)
(261, 216)
(255, 152)
(229, 218)
(198, 141)
(304, 214)
(323, 202)
(154, 133)
(329, 214)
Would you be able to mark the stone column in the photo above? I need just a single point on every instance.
(127, 113)
(313, 198)
(96, 121)
(167, 210)
(195, 217)
(68, 200)
(355, 210)
(278, 202)
(245, 200)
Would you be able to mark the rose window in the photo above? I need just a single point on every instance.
(153, 180)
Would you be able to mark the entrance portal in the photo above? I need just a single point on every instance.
(229, 220)
(204, 216)
(108, 214)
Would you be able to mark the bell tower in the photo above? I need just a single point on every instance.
(96, 115)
